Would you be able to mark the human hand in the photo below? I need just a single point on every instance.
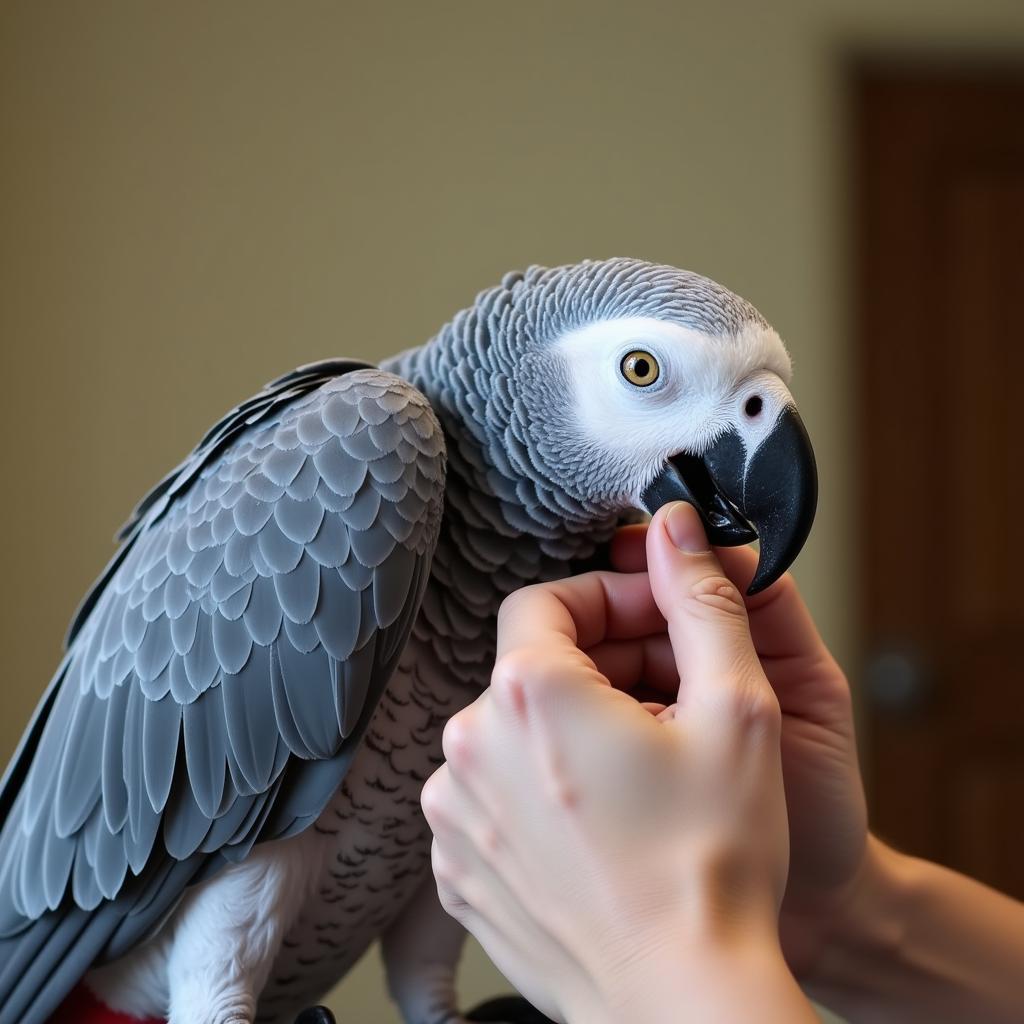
(615, 858)
(830, 853)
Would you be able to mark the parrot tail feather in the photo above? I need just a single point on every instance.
(82, 1007)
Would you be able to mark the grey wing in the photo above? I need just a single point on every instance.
(220, 680)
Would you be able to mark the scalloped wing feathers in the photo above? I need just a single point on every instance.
(220, 674)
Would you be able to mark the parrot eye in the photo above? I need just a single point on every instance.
(640, 368)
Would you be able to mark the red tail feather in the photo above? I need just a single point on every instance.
(82, 1007)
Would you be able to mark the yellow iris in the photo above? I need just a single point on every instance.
(640, 368)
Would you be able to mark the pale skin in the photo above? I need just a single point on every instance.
(690, 856)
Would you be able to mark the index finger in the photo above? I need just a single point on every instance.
(580, 612)
(780, 623)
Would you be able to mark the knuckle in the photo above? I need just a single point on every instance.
(450, 902)
(432, 799)
(511, 668)
(457, 738)
(716, 595)
(756, 709)
(509, 679)
(443, 867)
(447, 895)
(749, 703)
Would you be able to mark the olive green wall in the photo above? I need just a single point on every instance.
(195, 197)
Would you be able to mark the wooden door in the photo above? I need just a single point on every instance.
(940, 223)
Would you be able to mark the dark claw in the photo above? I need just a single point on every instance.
(315, 1015)
(508, 1010)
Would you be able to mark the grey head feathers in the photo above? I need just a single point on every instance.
(503, 398)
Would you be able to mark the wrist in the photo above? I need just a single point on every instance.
(739, 976)
(868, 924)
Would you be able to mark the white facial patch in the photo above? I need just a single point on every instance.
(705, 386)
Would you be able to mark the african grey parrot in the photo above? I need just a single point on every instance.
(215, 808)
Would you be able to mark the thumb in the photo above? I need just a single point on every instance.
(706, 616)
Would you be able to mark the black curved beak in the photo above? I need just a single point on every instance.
(770, 496)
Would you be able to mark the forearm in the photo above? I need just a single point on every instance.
(922, 943)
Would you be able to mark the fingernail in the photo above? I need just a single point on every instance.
(685, 529)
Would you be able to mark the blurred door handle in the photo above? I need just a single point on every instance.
(897, 682)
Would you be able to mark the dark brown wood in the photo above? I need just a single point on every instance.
(940, 226)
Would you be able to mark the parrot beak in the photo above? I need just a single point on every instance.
(770, 495)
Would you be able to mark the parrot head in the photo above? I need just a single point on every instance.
(703, 416)
(620, 384)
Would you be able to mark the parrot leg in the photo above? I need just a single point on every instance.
(421, 952)
(229, 930)
(210, 961)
